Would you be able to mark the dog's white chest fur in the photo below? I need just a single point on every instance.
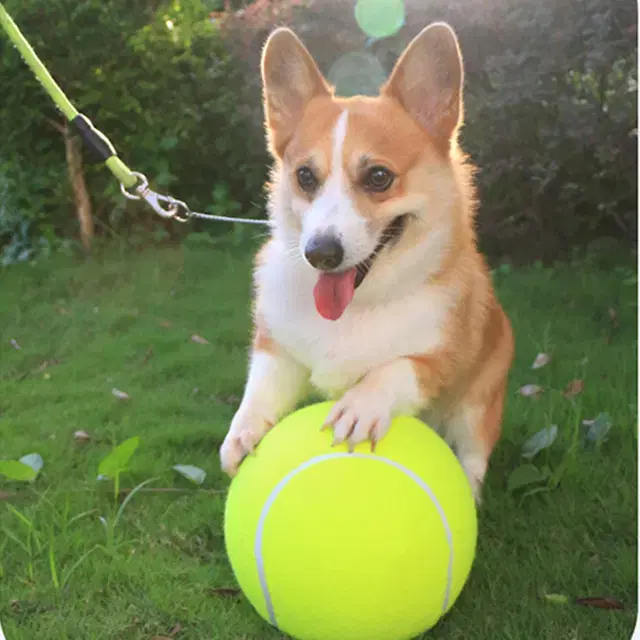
(339, 353)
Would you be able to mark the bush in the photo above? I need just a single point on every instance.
(157, 79)
(550, 102)
(551, 112)
(550, 108)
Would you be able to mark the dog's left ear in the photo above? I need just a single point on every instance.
(427, 81)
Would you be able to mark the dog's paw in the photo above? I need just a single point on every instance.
(361, 414)
(475, 468)
(246, 430)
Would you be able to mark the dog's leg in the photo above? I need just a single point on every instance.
(276, 382)
(367, 409)
(474, 432)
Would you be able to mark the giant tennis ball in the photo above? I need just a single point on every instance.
(332, 545)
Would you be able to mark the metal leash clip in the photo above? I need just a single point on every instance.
(176, 209)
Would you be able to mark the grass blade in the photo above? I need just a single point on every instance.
(125, 502)
(76, 564)
(52, 563)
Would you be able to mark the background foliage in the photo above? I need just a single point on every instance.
(170, 99)
(551, 103)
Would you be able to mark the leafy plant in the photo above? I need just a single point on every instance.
(176, 114)
(114, 464)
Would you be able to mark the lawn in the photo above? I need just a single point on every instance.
(71, 332)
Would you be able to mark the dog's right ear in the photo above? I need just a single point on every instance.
(290, 79)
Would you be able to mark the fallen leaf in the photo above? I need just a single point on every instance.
(525, 475)
(556, 598)
(121, 395)
(33, 460)
(614, 318)
(600, 603)
(541, 440)
(14, 344)
(81, 436)
(542, 359)
(224, 592)
(531, 390)
(62, 311)
(574, 388)
(195, 474)
(148, 355)
(46, 364)
(199, 339)
(166, 324)
(177, 628)
(598, 428)
(230, 400)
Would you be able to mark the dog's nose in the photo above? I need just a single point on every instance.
(324, 252)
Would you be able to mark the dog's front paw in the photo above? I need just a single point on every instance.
(246, 430)
(360, 415)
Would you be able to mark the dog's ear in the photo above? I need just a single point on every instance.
(290, 79)
(427, 81)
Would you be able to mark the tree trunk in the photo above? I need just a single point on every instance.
(80, 193)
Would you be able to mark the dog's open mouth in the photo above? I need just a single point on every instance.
(334, 291)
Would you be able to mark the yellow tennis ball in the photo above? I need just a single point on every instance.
(332, 545)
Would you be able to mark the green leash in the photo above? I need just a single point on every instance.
(165, 206)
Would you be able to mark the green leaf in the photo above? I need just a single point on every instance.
(525, 475)
(15, 470)
(195, 474)
(556, 598)
(117, 460)
(168, 143)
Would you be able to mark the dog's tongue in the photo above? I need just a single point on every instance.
(333, 292)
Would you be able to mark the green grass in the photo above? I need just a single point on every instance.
(125, 321)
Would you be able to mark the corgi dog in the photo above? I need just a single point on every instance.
(371, 288)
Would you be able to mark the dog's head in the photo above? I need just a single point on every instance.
(356, 179)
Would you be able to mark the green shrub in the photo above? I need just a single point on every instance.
(550, 108)
(551, 121)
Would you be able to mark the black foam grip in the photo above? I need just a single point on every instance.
(99, 148)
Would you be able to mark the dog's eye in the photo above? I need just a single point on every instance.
(378, 179)
(307, 179)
